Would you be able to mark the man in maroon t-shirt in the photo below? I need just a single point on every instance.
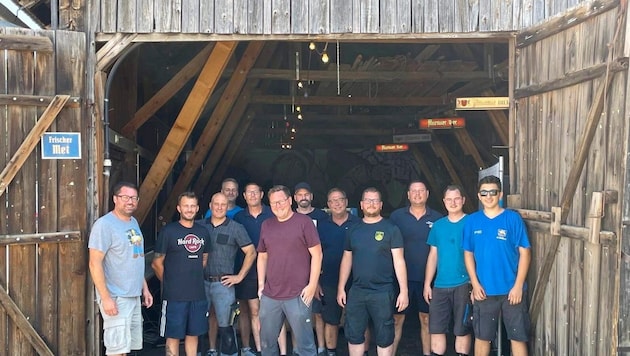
(289, 264)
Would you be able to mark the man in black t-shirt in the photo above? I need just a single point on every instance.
(181, 254)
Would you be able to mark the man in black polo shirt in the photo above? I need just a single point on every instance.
(374, 253)
(226, 238)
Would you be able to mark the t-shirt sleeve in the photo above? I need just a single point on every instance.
(207, 246)
(467, 242)
(241, 236)
(160, 244)
(433, 235)
(310, 235)
(261, 243)
(100, 239)
(347, 243)
(522, 240)
(397, 239)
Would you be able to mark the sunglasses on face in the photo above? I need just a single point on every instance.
(491, 192)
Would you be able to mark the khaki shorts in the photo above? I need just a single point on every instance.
(123, 332)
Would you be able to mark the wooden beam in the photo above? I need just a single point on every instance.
(499, 121)
(354, 119)
(212, 128)
(568, 19)
(107, 55)
(578, 233)
(22, 323)
(590, 127)
(469, 148)
(36, 100)
(44, 237)
(356, 101)
(424, 168)
(312, 131)
(21, 155)
(25, 43)
(183, 126)
(591, 277)
(366, 76)
(572, 78)
(441, 152)
(167, 91)
(130, 146)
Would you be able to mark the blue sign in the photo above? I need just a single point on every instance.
(61, 145)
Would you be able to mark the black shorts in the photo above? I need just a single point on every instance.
(362, 306)
(449, 304)
(415, 297)
(247, 289)
(515, 318)
(327, 306)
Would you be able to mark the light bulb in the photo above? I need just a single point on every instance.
(300, 85)
(298, 109)
(325, 58)
(299, 117)
(311, 46)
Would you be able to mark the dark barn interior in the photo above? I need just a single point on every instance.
(300, 118)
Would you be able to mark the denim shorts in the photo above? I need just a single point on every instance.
(221, 299)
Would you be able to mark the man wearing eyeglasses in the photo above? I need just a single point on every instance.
(289, 265)
(117, 268)
(497, 254)
(415, 222)
(332, 233)
(373, 252)
(449, 297)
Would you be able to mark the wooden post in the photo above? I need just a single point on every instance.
(592, 258)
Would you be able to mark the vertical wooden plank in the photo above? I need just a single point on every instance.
(431, 20)
(525, 14)
(267, 17)
(255, 17)
(485, 15)
(206, 14)
(168, 15)
(4, 211)
(592, 259)
(144, 16)
(356, 16)
(299, 16)
(446, 16)
(504, 15)
(404, 16)
(539, 11)
(369, 16)
(281, 16)
(461, 16)
(190, 16)
(126, 16)
(21, 273)
(319, 18)
(417, 16)
(241, 17)
(223, 16)
(46, 210)
(389, 16)
(108, 15)
(341, 15)
(70, 65)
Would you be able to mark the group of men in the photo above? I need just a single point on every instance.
(306, 268)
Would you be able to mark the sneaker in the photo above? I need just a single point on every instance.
(247, 351)
(322, 353)
(212, 353)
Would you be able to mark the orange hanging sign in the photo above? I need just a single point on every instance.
(397, 147)
(443, 123)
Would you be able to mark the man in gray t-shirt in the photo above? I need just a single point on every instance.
(226, 238)
(117, 268)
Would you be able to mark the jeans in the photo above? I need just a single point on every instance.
(273, 312)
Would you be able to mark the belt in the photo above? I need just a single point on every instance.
(214, 278)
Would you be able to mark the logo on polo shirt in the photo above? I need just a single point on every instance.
(378, 236)
(192, 243)
(502, 234)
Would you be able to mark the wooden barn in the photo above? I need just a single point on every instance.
(176, 95)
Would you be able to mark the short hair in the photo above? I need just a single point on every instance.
(121, 185)
(252, 184)
(490, 180)
(336, 190)
(453, 187)
(279, 188)
(232, 180)
(190, 195)
(414, 181)
(371, 190)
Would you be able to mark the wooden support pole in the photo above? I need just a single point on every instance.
(183, 126)
(592, 261)
(592, 122)
(463, 137)
(440, 151)
(23, 324)
(21, 155)
(107, 55)
(424, 168)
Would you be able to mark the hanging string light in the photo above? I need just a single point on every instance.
(324, 53)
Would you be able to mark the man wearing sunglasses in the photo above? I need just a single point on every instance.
(497, 254)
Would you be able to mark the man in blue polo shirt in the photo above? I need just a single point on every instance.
(229, 188)
(415, 222)
(332, 234)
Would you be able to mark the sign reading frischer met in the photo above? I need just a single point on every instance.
(61, 145)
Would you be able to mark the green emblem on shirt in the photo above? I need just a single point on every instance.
(378, 236)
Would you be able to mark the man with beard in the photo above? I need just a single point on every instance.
(117, 269)
(303, 195)
(415, 222)
(226, 237)
(374, 254)
(181, 253)
(229, 188)
(289, 265)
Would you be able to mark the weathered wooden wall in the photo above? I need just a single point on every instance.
(42, 269)
(319, 17)
(557, 81)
